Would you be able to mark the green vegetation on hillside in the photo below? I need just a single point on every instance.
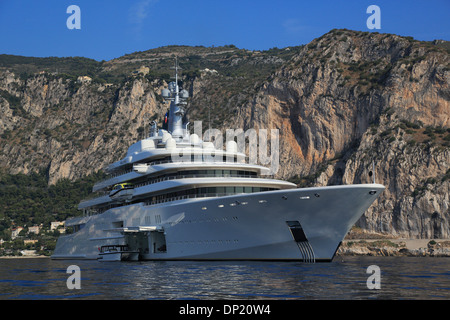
(26, 66)
(28, 200)
(228, 60)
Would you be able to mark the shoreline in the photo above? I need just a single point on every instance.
(365, 247)
(395, 247)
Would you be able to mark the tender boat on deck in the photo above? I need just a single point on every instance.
(117, 252)
(122, 192)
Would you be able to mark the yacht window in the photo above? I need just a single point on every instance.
(117, 224)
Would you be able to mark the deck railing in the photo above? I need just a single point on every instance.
(124, 172)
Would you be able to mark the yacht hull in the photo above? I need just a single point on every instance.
(305, 224)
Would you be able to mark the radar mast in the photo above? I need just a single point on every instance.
(178, 100)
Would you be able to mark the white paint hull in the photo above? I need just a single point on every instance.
(253, 228)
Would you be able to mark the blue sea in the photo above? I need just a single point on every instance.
(401, 278)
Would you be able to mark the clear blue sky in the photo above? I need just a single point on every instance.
(111, 28)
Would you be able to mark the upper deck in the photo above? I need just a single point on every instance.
(162, 155)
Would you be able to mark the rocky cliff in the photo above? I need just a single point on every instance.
(67, 131)
(342, 103)
(349, 100)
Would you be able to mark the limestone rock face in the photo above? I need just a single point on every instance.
(345, 103)
(70, 129)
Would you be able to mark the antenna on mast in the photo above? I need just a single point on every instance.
(373, 168)
(176, 67)
(372, 172)
(178, 100)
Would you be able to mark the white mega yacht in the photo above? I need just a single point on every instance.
(209, 204)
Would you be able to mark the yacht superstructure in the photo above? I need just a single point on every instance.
(176, 197)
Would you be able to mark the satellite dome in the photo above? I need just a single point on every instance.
(231, 146)
(165, 93)
(166, 136)
(184, 94)
(171, 144)
(172, 85)
(194, 138)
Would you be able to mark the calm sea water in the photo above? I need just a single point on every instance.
(344, 278)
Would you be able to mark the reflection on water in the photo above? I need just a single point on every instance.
(401, 278)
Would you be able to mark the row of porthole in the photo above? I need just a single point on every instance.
(233, 204)
(209, 220)
(195, 242)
